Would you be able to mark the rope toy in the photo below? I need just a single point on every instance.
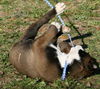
(64, 71)
(69, 36)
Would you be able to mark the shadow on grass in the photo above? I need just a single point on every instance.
(82, 38)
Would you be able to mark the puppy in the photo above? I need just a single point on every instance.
(82, 68)
(35, 57)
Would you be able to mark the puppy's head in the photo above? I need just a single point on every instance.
(89, 62)
(83, 68)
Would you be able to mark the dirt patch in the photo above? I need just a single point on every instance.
(2, 14)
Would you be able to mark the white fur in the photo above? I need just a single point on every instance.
(60, 8)
(70, 57)
(61, 56)
(58, 25)
(73, 54)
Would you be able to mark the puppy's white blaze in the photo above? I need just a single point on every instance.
(70, 57)
(61, 56)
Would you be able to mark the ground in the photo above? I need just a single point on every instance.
(17, 15)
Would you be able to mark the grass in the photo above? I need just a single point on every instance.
(17, 15)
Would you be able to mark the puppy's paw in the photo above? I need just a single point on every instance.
(60, 7)
(58, 25)
(65, 29)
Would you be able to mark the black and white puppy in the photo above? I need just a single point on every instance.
(80, 63)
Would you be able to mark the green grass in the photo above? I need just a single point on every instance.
(17, 15)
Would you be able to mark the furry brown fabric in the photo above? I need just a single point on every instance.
(35, 58)
(32, 56)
